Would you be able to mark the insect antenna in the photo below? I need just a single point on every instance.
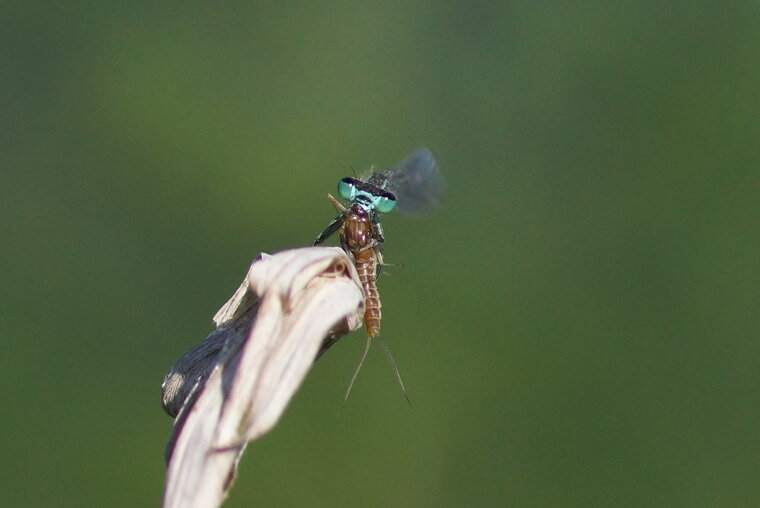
(358, 368)
(395, 368)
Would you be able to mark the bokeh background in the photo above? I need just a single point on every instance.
(577, 325)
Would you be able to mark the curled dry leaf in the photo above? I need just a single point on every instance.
(235, 385)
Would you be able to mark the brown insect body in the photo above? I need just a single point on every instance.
(360, 237)
(416, 185)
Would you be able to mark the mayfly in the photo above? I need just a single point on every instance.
(414, 186)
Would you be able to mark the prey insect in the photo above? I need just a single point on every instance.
(414, 186)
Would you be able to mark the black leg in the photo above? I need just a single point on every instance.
(330, 229)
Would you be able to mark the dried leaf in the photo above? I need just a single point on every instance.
(235, 385)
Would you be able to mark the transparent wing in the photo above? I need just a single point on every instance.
(417, 183)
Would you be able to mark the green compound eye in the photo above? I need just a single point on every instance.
(347, 188)
(385, 204)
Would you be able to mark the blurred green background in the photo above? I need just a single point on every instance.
(577, 325)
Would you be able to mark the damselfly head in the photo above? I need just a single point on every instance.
(366, 194)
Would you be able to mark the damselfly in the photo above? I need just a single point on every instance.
(415, 187)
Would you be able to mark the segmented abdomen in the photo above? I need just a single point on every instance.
(365, 266)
